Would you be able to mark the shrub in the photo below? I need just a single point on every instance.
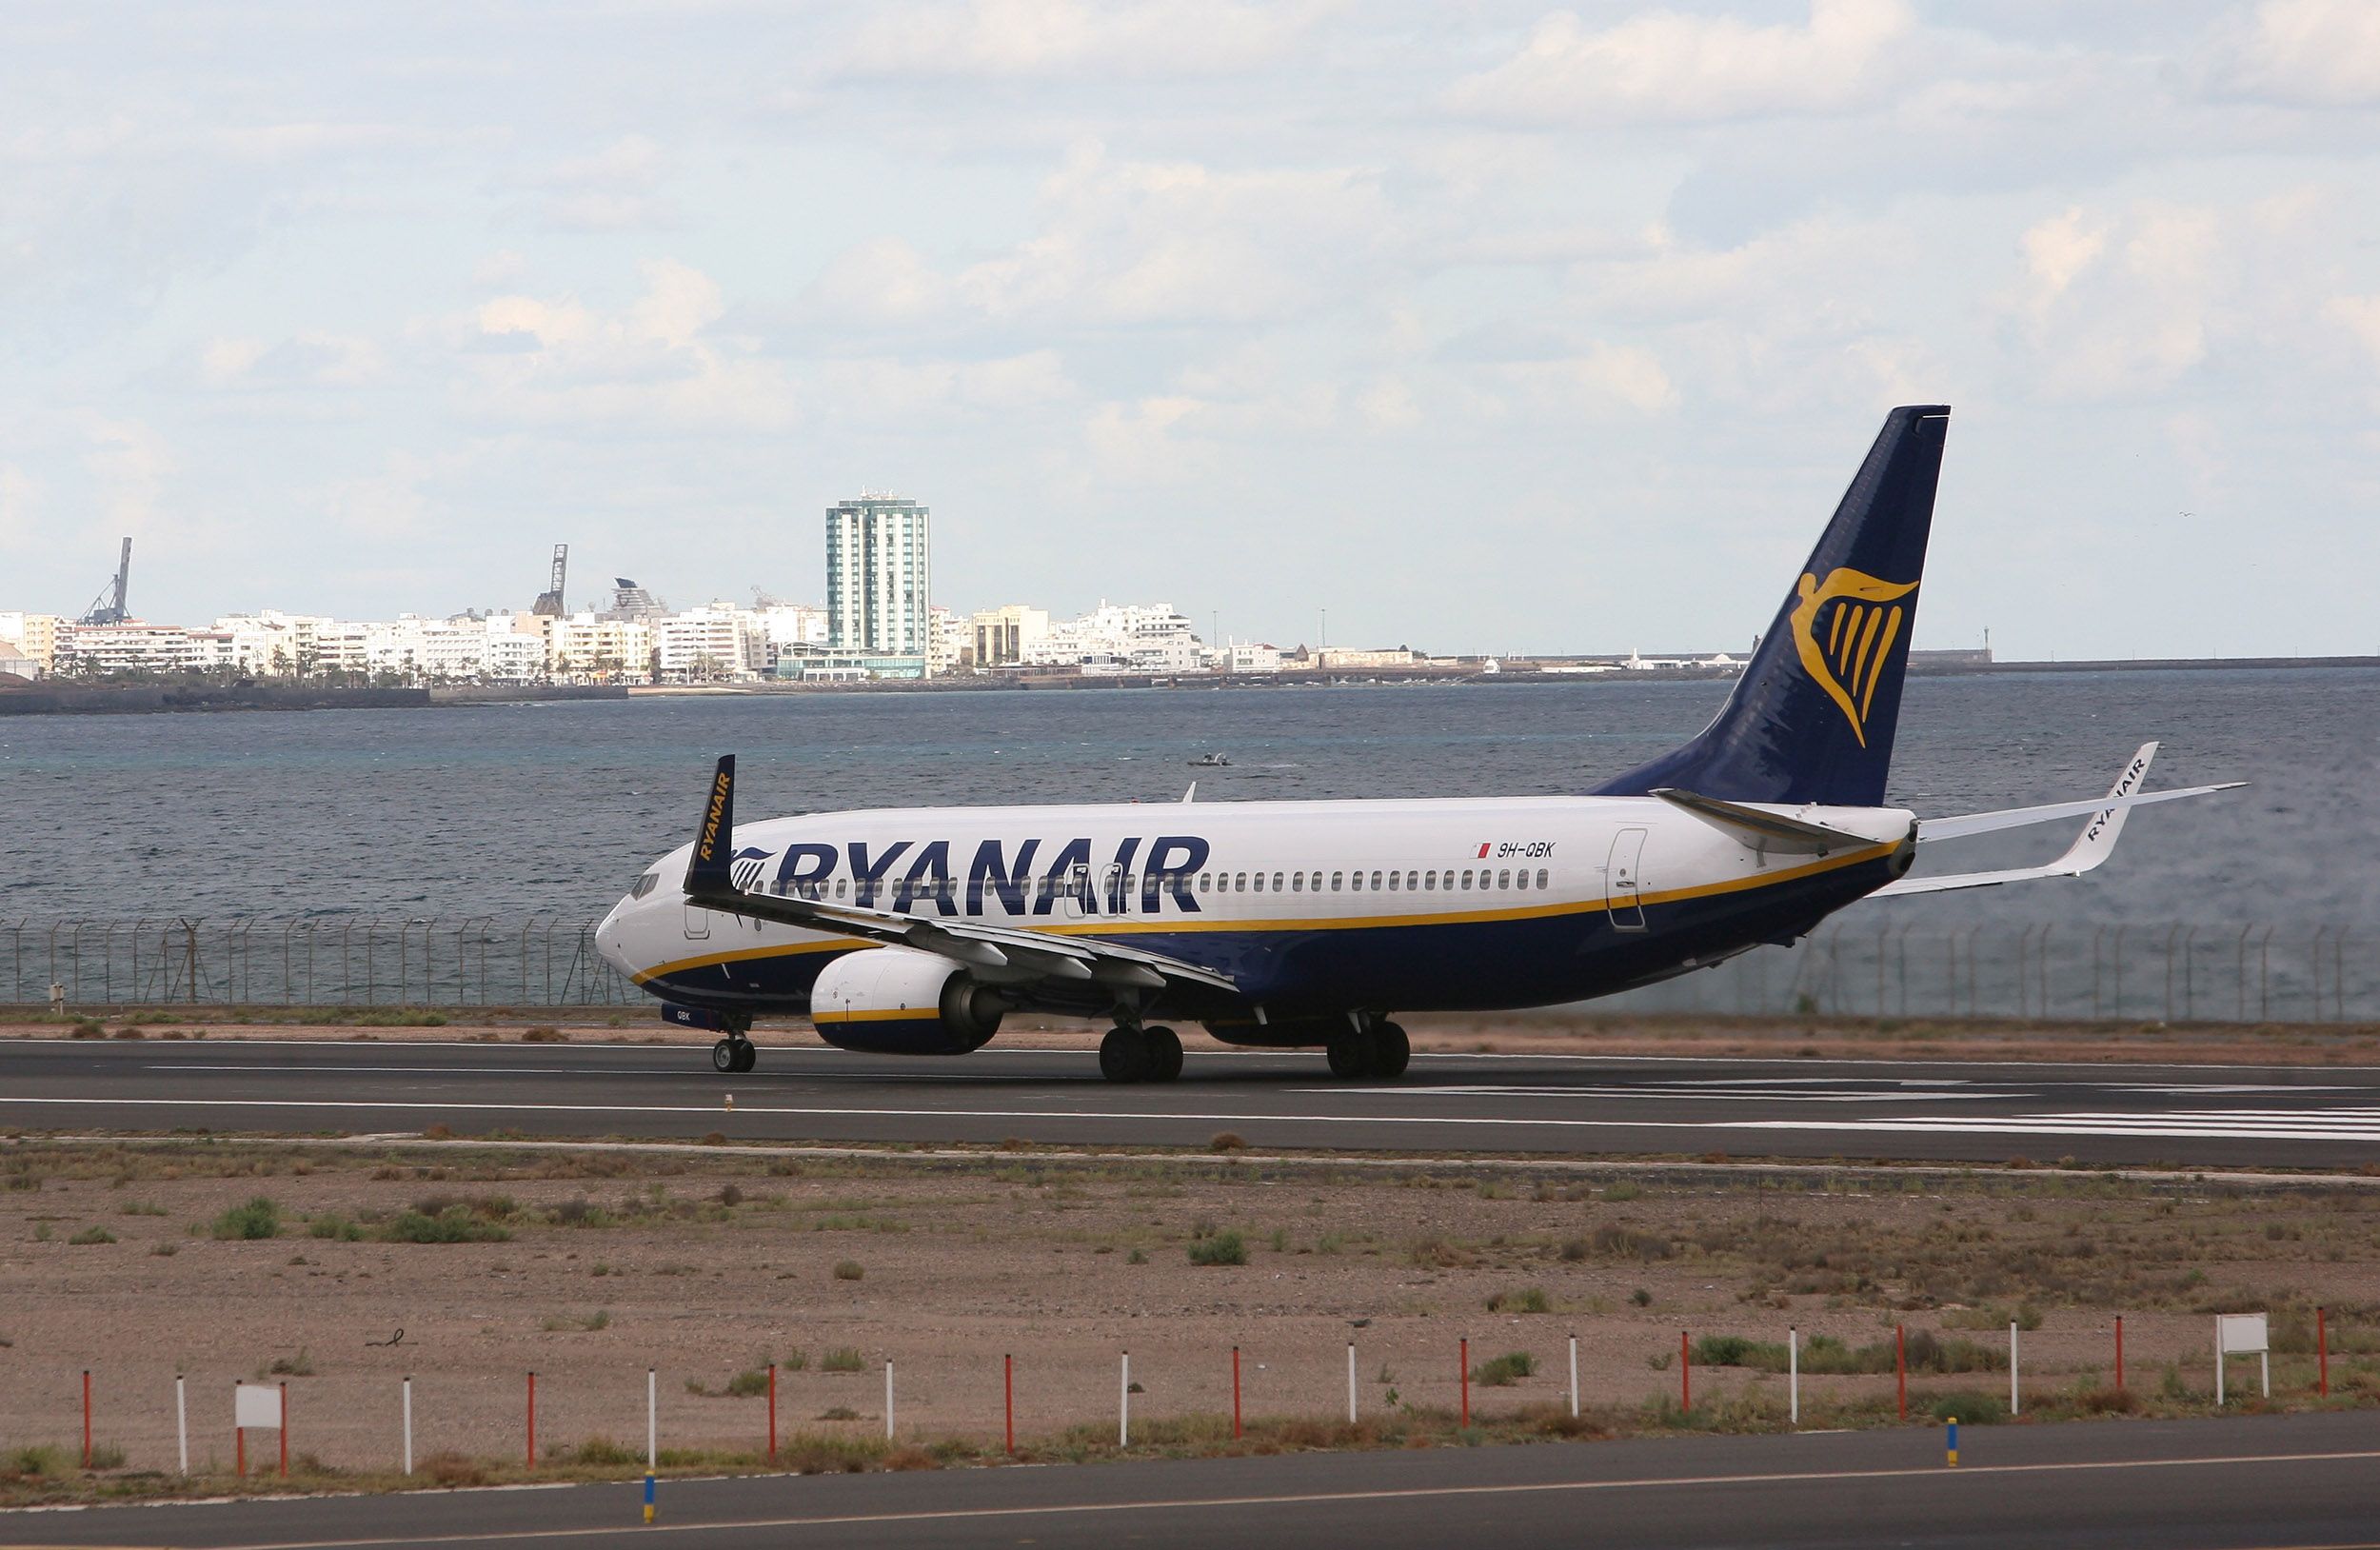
(107, 1456)
(453, 1225)
(544, 1036)
(1527, 1300)
(603, 1453)
(1971, 1409)
(749, 1383)
(1227, 1141)
(1615, 1241)
(835, 1412)
(1219, 1248)
(1135, 1256)
(300, 1365)
(842, 1359)
(1504, 1371)
(331, 1224)
(910, 1458)
(453, 1470)
(848, 1270)
(40, 1460)
(86, 1028)
(259, 1218)
(93, 1233)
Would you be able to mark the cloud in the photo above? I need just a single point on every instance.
(1601, 379)
(311, 358)
(2309, 52)
(126, 462)
(1056, 39)
(1666, 67)
(657, 363)
(16, 503)
(1178, 242)
(616, 188)
(882, 281)
(2360, 315)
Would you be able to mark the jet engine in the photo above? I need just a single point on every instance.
(896, 1001)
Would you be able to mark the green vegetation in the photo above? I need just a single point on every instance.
(1504, 1371)
(749, 1383)
(558, 1323)
(331, 1224)
(259, 1218)
(1226, 1247)
(93, 1233)
(1527, 1300)
(842, 1359)
(453, 1225)
(848, 1270)
(1828, 1354)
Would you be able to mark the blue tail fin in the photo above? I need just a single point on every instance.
(1811, 719)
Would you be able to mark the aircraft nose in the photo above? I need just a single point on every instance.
(608, 940)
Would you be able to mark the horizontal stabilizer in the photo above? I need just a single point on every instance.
(1764, 829)
(2091, 846)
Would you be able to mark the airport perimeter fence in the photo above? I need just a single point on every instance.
(2171, 973)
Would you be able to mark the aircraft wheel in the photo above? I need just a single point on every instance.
(1391, 1051)
(1350, 1056)
(1164, 1048)
(1125, 1055)
(747, 1055)
(724, 1056)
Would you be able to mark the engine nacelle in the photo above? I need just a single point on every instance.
(896, 1000)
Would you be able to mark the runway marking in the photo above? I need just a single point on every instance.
(2346, 1122)
(1676, 1094)
(1932, 1472)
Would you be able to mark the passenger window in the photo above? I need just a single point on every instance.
(1297, 882)
(1466, 880)
(1260, 883)
(1337, 878)
(1503, 880)
(1429, 879)
(1354, 881)
(1541, 876)
(1240, 883)
(1375, 880)
(1393, 877)
(842, 888)
(1277, 882)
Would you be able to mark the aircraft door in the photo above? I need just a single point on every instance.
(1076, 889)
(1620, 880)
(697, 923)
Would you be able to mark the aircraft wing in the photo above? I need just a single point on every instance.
(2093, 846)
(1001, 952)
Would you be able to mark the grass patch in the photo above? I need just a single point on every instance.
(259, 1218)
(454, 1224)
(1527, 1300)
(842, 1359)
(93, 1233)
(331, 1224)
(1504, 1371)
(848, 1270)
(560, 1322)
(1224, 1247)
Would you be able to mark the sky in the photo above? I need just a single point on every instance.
(1474, 325)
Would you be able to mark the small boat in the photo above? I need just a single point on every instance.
(1211, 761)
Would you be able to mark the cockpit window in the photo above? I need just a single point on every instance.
(644, 885)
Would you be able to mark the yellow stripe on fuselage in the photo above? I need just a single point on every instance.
(1171, 925)
(882, 1014)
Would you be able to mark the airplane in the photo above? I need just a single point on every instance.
(1286, 924)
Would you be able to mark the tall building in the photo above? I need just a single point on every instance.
(877, 580)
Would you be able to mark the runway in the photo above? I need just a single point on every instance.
(1505, 1106)
(2296, 1481)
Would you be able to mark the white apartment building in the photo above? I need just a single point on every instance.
(719, 643)
(949, 641)
(134, 646)
(1117, 637)
(880, 578)
(589, 647)
(1246, 657)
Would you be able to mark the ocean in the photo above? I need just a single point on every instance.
(551, 810)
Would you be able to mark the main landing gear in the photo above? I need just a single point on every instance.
(1380, 1051)
(1131, 1053)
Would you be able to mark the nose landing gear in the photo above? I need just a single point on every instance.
(734, 1053)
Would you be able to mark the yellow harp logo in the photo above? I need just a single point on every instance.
(1846, 650)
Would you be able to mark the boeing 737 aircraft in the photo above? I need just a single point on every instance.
(1302, 924)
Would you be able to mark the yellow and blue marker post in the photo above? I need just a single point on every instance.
(1953, 1464)
(648, 1496)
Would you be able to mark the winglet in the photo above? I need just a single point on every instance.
(2097, 840)
(706, 870)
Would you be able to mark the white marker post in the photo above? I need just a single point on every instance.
(2012, 1366)
(888, 1399)
(1124, 1405)
(182, 1422)
(1351, 1382)
(1793, 1374)
(653, 1423)
(1573, 1378)
(409, 1423)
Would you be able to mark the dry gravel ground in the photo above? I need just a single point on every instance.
(1556, 1032)
(595, 1263)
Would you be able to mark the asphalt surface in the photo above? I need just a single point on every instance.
(2298, 1480)
(1504, 1106)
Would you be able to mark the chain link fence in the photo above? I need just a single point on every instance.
(351, 961)
(2174, 973)
(2168, 973)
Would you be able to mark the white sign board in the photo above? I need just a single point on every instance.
(257, 1405)
(2241, 1334)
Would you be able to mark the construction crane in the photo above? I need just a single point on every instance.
(108, 607)
(549, 600)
